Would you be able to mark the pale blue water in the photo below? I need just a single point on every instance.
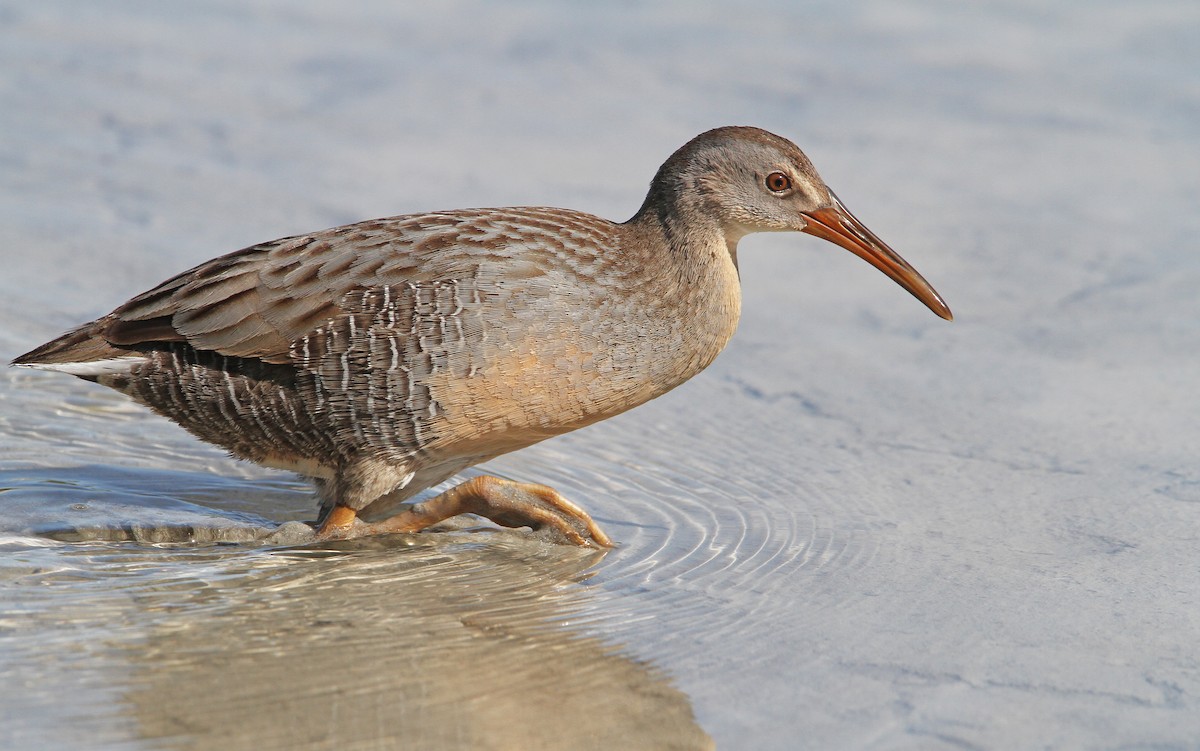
(861, 528)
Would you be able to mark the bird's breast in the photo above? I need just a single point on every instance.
(563, 352)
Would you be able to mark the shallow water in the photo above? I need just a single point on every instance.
(861, 527)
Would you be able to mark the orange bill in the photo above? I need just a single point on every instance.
(837, 225)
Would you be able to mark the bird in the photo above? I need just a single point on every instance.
(384, 357)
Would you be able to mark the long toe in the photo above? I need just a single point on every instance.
(507, 503)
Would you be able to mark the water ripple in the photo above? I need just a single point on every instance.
(709, 537)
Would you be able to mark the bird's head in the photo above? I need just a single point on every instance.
(748, 180)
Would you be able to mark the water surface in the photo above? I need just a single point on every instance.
(862, 527)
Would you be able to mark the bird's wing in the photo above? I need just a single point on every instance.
(258, 301)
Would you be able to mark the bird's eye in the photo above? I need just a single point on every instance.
(777, 182)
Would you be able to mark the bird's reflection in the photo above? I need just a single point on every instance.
(437, 644)
(458, 640)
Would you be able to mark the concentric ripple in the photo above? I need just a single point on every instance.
(712, 533)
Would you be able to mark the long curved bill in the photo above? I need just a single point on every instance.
(837, 225)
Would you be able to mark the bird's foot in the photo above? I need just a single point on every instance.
(508, 503)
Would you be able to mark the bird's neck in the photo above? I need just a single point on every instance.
(696, 288)
(694, 237)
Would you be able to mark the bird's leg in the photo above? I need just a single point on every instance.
(508, 503)
(340, 523)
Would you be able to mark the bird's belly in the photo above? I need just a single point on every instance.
(520, 396)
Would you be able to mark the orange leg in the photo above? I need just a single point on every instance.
(339, 524)
(508, 503)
